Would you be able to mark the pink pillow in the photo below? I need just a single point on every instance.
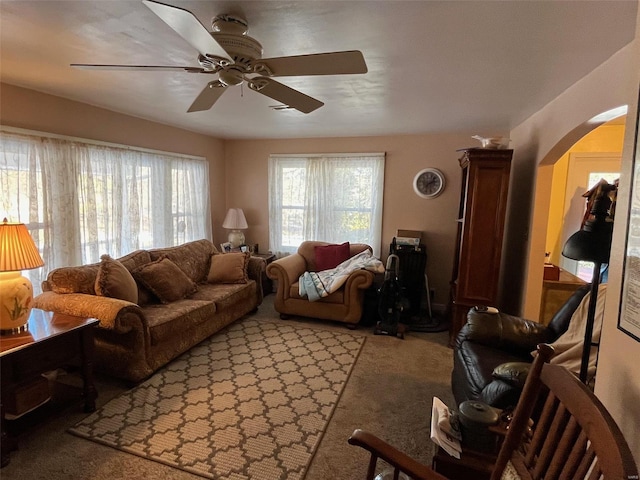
(330, 256)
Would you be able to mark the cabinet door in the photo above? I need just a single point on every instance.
(483, 203)
(482, 232)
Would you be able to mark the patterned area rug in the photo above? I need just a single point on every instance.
(252, 402)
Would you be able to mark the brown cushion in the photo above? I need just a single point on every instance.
(330, 256)
(192, 258)
(229, 268)
(115, 281)
(165, 280)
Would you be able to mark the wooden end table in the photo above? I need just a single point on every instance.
(52, 340)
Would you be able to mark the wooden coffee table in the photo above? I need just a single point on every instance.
(53, 340)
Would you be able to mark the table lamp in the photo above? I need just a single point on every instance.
(236, 222)
(592, 244)
(17, 252)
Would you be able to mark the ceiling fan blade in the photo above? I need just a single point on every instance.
(208, 96)
(335, 63)
(89, 66)
(188, 27)
(287, 95)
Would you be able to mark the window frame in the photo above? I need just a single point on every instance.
(330, 164)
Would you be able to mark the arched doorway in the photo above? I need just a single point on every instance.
(553, 209)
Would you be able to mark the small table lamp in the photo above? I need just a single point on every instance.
(235, 221)
(17, 252)
(592, 244)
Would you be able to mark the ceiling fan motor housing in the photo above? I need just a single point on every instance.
(241, 48)
(230, 32)
(226, 23)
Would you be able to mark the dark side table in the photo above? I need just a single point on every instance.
(52, 340)
(471, 464)
(267, 283)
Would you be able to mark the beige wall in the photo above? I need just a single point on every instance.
(32, 110)
(541, 140)
(405, 156)
(618, 381)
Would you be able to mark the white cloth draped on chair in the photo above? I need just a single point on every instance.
(317, 285)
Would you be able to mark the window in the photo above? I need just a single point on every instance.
(334, 198)
(81, 200)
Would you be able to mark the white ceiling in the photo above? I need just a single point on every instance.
(434, 66)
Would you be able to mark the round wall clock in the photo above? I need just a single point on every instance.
(429, 183)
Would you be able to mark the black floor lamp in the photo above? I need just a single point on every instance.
(592, 244)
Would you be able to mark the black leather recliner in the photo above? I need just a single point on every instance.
(489, 340)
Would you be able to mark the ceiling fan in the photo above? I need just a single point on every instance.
(236, 57)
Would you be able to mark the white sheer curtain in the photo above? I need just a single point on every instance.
(333, 198)
(81, 200)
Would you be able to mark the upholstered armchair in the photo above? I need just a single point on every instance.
(343, 305)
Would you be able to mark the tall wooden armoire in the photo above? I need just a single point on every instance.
(481, 216)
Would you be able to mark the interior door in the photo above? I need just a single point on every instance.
(585, 170)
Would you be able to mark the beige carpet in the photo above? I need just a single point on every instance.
(252, 402)
(389, 393)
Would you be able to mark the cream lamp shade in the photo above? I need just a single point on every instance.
(17, 252)
(236, 222)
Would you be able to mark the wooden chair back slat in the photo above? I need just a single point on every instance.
(541, 430)
(563, 452)
(606, 439)
(575, 457)
(551, 441)
(596, 473)
(588, 458)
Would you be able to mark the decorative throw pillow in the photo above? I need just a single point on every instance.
(514, 373)
(229, 268)
(330, 256)
(165, 280)
(114, 280)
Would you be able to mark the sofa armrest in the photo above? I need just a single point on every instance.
(286, 271)
(357, 280)
(506, 332)
(114, 314)
(501, 394)
(255, 269)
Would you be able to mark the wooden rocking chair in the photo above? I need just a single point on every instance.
(573, 435)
